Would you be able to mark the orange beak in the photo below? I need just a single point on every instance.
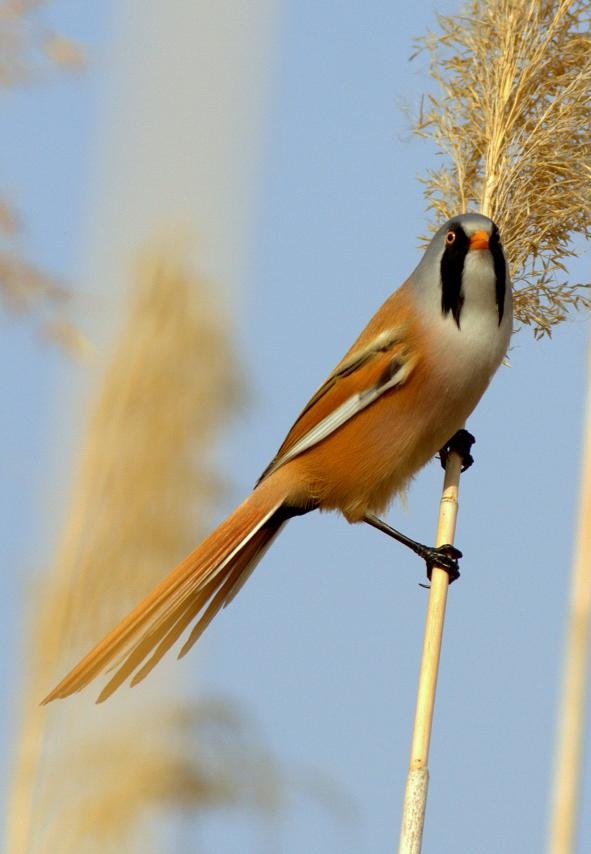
(479, 240)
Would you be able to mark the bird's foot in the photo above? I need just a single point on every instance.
(445, 557)
(461, 442)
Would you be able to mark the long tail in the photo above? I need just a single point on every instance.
(203, 583)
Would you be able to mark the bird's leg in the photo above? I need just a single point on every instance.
(461, 442)
(446, 557)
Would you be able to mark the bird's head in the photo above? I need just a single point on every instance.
(465, 262)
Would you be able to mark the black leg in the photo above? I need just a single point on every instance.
(446, 557)
(461, 442)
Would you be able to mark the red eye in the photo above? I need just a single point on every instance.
(450, 237)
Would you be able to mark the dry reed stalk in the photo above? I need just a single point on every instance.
(144, 481)
(417, 784)
(512, 119)
(571, 718)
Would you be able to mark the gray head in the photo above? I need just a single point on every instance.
(465, 258)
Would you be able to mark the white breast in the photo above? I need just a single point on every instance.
(469, 355)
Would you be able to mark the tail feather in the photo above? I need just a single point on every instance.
(206, 579)
(167, 641)
(153, 639)
(243, 566)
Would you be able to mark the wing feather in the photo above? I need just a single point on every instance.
(364, 375)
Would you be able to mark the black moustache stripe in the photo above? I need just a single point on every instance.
(452, 268)
(500, 273)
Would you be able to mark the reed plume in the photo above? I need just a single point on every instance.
(511, 120)
(28, 53)
(28, 49)
(143, 492)
(511, 117)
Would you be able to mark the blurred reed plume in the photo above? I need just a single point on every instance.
(512, 120)
(28, 52)
(142, 495)
(28, 49)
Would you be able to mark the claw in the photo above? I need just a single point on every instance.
(445, 557)
(461, 442)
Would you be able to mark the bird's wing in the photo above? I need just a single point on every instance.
(366, 373)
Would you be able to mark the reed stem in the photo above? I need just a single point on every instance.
(417, 782)
(571, 720)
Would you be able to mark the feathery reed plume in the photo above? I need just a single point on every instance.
(196, 758)
(512, 120)
(27, 49)
(27, 52)
(144, 488)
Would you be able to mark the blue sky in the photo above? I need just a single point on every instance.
(321, 647)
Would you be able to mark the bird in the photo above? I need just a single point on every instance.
(406, 385)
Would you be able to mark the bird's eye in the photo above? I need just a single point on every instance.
(450, 237)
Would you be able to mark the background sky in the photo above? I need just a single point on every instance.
(321, 648)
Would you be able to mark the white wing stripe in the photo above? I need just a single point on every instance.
(341, 415)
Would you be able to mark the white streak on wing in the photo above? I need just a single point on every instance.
(343, 413)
